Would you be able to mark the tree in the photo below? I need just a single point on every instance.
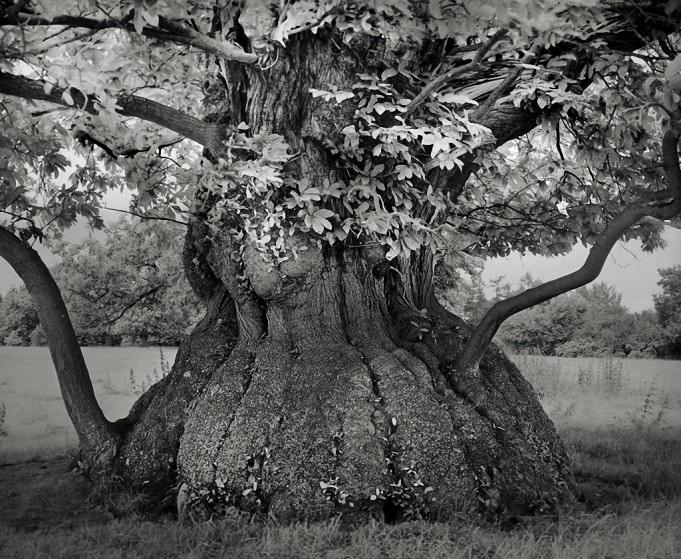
(545, 328)
(668, 307)
(591, 321)
(129, 286)
(18, 318)
(345, 146)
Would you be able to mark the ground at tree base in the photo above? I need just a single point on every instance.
(624, 510)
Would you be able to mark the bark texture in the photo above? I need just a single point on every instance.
(324, 385)
(333, 383)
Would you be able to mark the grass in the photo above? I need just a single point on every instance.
(620, 420)
(36, 424)
(595, 393)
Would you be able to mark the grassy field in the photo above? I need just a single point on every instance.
(36, 423)
(621, 421)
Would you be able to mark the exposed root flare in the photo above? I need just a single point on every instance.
(331, 412)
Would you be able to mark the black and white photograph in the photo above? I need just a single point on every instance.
(340, 279)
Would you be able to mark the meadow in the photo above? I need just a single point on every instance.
(620, 419)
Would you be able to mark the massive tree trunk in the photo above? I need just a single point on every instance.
(333, 398)
(323, 385)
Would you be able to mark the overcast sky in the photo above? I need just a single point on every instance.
(630, 270)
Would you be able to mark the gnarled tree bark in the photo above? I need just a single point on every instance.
(330, 396)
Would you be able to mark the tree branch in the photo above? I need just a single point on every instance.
(98, 437)
(208, 135)
(454, 72)
(167, 31)
(663, 204)
(86, 140)
(136, 301)
(508, 81)
(146, 217)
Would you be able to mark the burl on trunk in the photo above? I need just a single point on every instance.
(323, 385)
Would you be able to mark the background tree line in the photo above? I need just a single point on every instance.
(588, 322)
(126, 289)
(129, 288)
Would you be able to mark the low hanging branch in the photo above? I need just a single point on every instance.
(166, 30)
(99, 440)
(664, 204)
(210, 136)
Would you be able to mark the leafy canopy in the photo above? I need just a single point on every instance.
(423, 116)
(668, 303)
(129, 285)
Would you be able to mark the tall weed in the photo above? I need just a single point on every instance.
(610, 376)
(3, 414)
(652, 412)
(150, 378)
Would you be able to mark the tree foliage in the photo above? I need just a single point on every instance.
(588, 322)
(127, 288)
(668, 304)
(18, 319)
(597, 150)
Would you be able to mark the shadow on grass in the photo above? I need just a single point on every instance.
(616, 467)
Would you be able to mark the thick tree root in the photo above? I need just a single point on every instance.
(151, 432)
(327, 415)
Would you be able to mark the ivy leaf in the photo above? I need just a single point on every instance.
(318, 220)
(66, 96)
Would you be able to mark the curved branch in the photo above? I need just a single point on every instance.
(134, 302)
(167, 30)
(98, 438)
(481, 337)
(86, 140)
(664, 204)
(455, 72)
(208, 135)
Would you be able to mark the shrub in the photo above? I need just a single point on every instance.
(15, 339)
(3, 413)
(38, 337)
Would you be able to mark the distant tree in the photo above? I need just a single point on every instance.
(668, 307)
(18, 318)
(544, 328)
(590, 321)
(462, 289)
(130, 286)
(644, 335)
(605, 322)
(38, 337)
